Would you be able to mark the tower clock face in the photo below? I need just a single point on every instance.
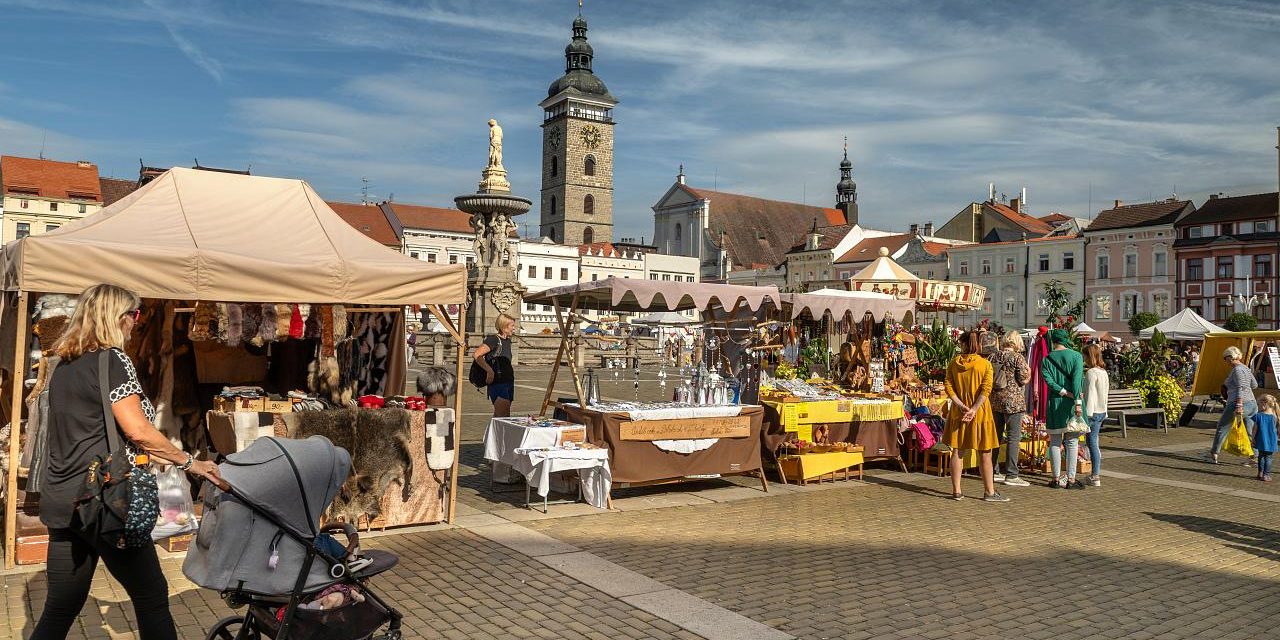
(554, 136)
(590, 136)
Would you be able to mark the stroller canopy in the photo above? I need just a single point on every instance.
(293, 481)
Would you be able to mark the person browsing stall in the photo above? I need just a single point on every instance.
(104, 317)
(494, 356)
(1010, 375)
(1063, 372)
(1238, 391)
(1097, 386)
(969, 421)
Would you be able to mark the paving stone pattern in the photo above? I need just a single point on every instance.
(898, 560)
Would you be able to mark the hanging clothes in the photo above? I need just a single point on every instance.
(1037, 391)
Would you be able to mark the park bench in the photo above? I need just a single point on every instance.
(1125, 403)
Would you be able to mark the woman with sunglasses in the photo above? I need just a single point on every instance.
(104, 317)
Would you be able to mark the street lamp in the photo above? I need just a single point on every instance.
(1248, 304)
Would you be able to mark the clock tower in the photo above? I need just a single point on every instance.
(577, 150)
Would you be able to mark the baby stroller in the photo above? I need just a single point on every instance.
(260, 544)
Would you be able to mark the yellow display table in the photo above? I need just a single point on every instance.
(799, 415)
(805, 467)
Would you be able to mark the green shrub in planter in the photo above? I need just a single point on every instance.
(1162, 391)
(1241, 322)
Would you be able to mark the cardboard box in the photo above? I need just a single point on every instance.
(230, 405)
(230, 432)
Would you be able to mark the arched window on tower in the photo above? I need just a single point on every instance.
(553, 205)
(588, 204)
(588, 236)
(589, 166)
(679, 240)
(555, 166)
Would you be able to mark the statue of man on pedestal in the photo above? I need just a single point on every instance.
(478, 243)
(495, 143)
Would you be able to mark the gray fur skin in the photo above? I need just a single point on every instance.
(378, 440)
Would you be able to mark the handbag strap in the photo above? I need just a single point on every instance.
(108, 418)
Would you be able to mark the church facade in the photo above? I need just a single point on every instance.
(576, 204)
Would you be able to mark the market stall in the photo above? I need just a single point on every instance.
(1184, 325)
(884, 275)
(212, 253)
(704, 432)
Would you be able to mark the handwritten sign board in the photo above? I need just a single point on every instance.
(1274, 354)
(686, 428)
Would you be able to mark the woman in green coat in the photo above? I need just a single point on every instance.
(1063, 371)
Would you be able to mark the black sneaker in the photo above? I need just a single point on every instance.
(1075, 484)
(994, 497)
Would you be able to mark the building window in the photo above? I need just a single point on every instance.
(533, 272)
(53, 206)
(1104, 272)
(1010, 306)
(470, 259)
(1224, 229)
(986, 267)
(453, 258)
(1069, 261)
(546, 273)
(1160, 304)
(588, 236)
(930, 274)
(1261, 267)
(555, 167)
(653, 276)
(1010, 264)
(1130, 265)
(1262, 226)
(1195, 269)
(553, 233)
(431, 257)
(83, 208)
(1102, 307)
(1193, 233)
(546, 307)
(24, 229)
(553, 209)
(594, 277)
(1225, 307)
(678, 240)
(51, 227)
(589, 166)
(964, 267)
(1160, 263)
(1129, 306)
(1245, 227)
(564, 273)
(588, 204)
(413, 254)
(666, 276)
(24, 203)
(1226, 268)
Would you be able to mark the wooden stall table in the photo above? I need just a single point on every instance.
(805, 467)
(636, 459)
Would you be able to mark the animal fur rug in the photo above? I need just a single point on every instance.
(378, 440)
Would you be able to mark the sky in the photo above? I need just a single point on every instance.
(1080, 102)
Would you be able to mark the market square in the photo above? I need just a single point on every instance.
(748, 336)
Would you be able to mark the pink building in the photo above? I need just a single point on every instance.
(1129, 265)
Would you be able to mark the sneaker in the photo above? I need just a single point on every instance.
(998, 477)
(1015, 481)
(1266, 478)
(957, 496)
(1211, 458)
(1095, 481)
(1055, 484)
(1075, 484)
(995, 497)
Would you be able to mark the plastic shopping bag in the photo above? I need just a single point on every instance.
(1238, 439)
(177, 513)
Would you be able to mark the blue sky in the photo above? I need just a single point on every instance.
(1127, 100)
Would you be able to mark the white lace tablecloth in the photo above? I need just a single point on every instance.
(592, 466)
(677, 413)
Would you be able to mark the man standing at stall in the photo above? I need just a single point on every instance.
(494, 357)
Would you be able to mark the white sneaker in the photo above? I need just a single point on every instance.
(1016, 482)
(998, 477)
(1095, 481)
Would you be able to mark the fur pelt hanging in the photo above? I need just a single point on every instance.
(266, 326)
(378, 440)
(296, 325)
(201, 322)
(311, 326)
(324, 379)
(326, 331)
(250, 318)
(341, 323)
(440, 442)
(284, 313)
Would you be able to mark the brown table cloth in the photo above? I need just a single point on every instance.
(640, 461)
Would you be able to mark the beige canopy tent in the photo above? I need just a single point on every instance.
(839, 303)
(195, 235)
(884, 275)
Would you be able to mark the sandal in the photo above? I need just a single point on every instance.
(957, 496)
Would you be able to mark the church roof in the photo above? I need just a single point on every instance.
(868, 249)
(830, 237)
(757, 230)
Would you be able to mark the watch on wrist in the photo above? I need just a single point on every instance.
(187, 465)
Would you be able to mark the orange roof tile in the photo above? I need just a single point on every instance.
(50, 178)
(1029, 223)
(115, 188)
(369, 220)
(869, 248)
(759, 230)
(430, 218)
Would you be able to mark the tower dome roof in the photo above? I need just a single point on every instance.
(583, 81)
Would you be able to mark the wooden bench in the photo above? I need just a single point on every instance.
(1123, 403)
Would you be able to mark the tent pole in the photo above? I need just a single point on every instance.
(460, 336)
(555, 366)
(15, 431)
(573, 359)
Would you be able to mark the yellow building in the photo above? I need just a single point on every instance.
(42, 195)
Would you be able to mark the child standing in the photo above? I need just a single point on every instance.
(1264, 435)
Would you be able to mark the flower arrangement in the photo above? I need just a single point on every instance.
(1163, 391)
(785, 372)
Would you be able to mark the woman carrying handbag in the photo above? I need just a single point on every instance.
(99, 420)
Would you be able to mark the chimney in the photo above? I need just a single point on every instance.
(680, 176)
(928, 229)
(83, 164)
(915, 229)
(1213, 196)
(1016, 205)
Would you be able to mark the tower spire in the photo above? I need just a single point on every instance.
(847, 189)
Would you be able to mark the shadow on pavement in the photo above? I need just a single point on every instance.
(1259, 541)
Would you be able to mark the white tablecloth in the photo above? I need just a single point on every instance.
(515, 442)
(676, 413)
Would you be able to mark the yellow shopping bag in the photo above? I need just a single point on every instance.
(1238, 439)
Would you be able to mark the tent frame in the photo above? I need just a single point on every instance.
(22, 331)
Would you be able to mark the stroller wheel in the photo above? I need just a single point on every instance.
(233, 628)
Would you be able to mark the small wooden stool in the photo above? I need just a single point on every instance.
(942, 456)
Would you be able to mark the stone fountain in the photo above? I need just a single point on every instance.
(494, 287)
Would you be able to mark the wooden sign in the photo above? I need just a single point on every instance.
(686, 428)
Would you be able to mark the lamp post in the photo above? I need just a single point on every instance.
(1247, 304)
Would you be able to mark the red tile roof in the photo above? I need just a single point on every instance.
(869, 248)
(1233, 208)
(1055, 218)
(369, 220)
(600, 248)
(1031, 224)
(829, 237)
(979, 246)
(935, 248)
(115, 188)
(50, 178)
(1146, 214)
(758, 230)
(430, 218)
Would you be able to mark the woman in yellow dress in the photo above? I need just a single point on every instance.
(970, 424)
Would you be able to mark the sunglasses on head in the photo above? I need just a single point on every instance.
(136, 314)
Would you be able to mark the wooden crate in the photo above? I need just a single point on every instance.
(32, 549)
(230, 405)
(277, 406)
(180, 542)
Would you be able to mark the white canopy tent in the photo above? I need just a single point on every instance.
(1084, 329)
(1185, 325)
